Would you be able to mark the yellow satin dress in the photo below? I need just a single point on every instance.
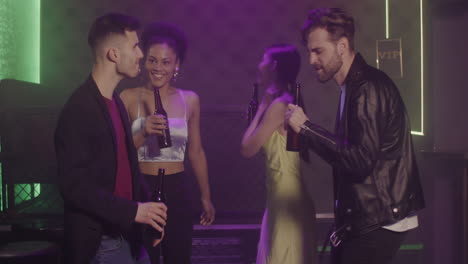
(287, 233)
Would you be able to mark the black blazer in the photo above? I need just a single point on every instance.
(85, 146)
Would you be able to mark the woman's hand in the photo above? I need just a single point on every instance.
(208, 215)
(154, 125)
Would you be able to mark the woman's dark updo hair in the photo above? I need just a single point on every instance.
(288, 62)
(164, 33)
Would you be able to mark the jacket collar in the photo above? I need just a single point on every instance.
(91, 84)
(354, 76)
(356, 70)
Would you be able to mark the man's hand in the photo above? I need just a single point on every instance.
(157, 241)
(155, 124)
(295, 117)
(153, 214)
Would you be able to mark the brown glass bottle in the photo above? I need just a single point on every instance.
(158, 196)
(253, 104)
(292, 140)
(164, 140)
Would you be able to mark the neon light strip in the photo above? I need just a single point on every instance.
(421, 14)
(37, 33)
(412, 247)
(387, 18)
(421, 22)
(37, 36)
(37, 78)
(387, 35)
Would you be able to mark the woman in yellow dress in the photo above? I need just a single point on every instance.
(287, 232)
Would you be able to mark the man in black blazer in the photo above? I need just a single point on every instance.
(98, 169)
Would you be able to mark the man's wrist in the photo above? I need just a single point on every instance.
(305, 126)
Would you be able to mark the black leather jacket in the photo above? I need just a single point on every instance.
(376, 179)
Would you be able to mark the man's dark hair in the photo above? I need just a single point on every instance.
(334, 20)
(165, 33)
(288, 62)
(112, 23)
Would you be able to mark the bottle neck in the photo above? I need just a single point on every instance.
(159, 109)
(160, 190)
(297, 94)
(161, 182)
(164, 90)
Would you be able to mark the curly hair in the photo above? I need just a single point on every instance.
(165, 33)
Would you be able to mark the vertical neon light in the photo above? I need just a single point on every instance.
(20, 40)
(387, 35)
(27, 29)
(421, 29)
(421, 14)
(387, 18)
(37, 37)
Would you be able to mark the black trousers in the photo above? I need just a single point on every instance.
(176, 247)
(376, 247)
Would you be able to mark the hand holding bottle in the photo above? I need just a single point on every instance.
(295, 117)
(153, 214)
(155, 125)
(292, 138)
(164, 139)
(157, 241)
(159, 197)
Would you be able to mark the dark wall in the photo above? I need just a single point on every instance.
(450, 89)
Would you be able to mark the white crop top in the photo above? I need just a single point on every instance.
(179, 135)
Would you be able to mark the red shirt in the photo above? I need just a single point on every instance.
(123, 180)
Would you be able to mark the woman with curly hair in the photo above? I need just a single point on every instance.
(164, 46)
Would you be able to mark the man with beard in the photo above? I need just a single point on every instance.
(376, 181)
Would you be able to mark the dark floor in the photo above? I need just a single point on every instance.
(228, 241)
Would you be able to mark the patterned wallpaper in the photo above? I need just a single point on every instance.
(226, 41)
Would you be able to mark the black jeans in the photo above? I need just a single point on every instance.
(376, 247)
(176, 247)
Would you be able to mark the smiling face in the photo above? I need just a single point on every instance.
(161, 63)
(323, 54)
